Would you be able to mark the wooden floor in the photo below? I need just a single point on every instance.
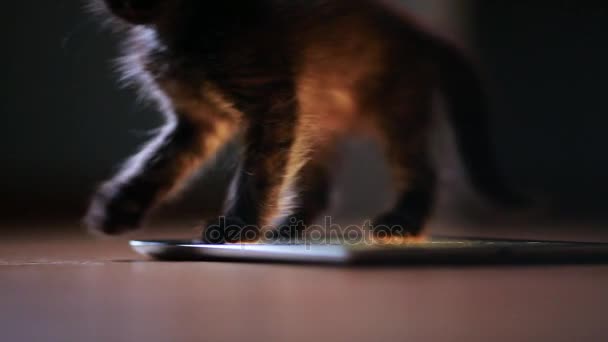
(70, 287)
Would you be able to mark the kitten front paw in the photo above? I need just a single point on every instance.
(230, 230)
(112, 214)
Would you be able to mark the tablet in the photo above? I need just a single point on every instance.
(432, 250)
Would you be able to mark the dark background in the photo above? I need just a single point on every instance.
(66, 124)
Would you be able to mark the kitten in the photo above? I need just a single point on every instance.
(288, 78)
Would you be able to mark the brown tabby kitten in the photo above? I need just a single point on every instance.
(288, 77)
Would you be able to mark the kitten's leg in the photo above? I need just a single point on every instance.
(155, 173)
(406, 148)
(311, 195)
(415, 196)
(269, 166)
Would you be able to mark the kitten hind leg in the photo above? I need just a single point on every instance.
(150, 176)
(414, 201)
(312, 195)
(414, 178)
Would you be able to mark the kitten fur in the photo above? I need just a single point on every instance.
(288, 78)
